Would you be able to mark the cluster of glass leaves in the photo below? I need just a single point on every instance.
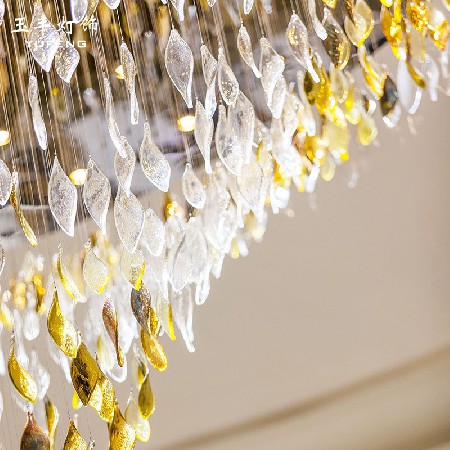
(164, 264)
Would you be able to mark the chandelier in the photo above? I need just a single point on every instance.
(227, 106)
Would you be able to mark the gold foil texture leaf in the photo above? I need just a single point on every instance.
(33, 436)
(146, 399)
(74, 440)
(121, 434)
(154, 351)
(109, 315)
(52, 417)
(134, 418)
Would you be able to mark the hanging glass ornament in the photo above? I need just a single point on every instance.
(66, 58)
(38, 121)
(228, 84)
(129, 72)
(244, 46)
(203, 133)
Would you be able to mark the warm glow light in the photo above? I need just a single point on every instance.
(119, 72)
(5, 137)
(78, 177)
(186, 123)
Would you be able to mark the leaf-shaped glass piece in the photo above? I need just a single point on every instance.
(179, 7)
(43, 38)
(153, 236)
(410, 94)
(164, 313)
(91, 8)
(66, 58)
(154, 164)
(129, 72)
(211, 100)
(278, 97)
(38, 121)
(359, 29)
(15, 202)
(366, 129)
(66, 279)
(228, 84)
(124, 167)
(85, 373)
(209, 65)
(180, 65)
(78, 9)
(121, 434)
(63, 333)
(146, 399)
(62, 198)
(244, 45)
(74, 440)
(330, 3)
(154, 351)
(297, 38)
(183, 305)
(21, 379)
(129, 217)
(52, 418)
(112, 4)
(33, 436)
(114, 132)
(5, 183)
(109, 316)
(317, 24)
(134, 418)
(193, 189)
(203, 133)
(132, 266)
(388, 102)
(103, 398)
(271, 65)
(2, 263)
(248, 5)
(241, 117)
(97, 194)
(95, 271)
(140, 305)
(336, 43)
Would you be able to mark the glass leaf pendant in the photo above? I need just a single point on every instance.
(134, 418)
(317, 25)
(63, 333)
(38, 121)
(228, 84)
(153, 236)
(95, 272)
(121, 434)
(52, 418)
(248, 5)
(66, 279)
(142, 311)
(132, 266)
(180, 65)
(5, 183)
(154, 164)
(114, 132)
(271, 65)
(2, 263)
(112, 4)
(66, 58)
(193, 189)
(62, 198)
(129, 72)
(97, 195)
(209, 65)
(78, 9)
(336, 43)
(179, 7)
(74, 440)
(110, 321)
(203, 133)
(245, 50)
(146, 399)
(124, 167)
(33, 436)
(154, 351)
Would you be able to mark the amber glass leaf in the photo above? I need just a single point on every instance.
(146, 399)
(33, 436)
(103, 398)
(52, 417)
(154, 351)
(74, 440)
(121, 434)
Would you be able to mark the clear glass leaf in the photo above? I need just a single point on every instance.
(67, 280)
(43, 38)
(5, 183)
(271, 66)
(74, 440)
(211, 100)
(97, 195)
(38, 121)
(241, 117)
(121, 434)
(78, 9)
(129, 217)
(129, 72)
(15, 202)
(132, 266)
(317, 25)
(180, 65)
(182, 308)
(124, 166)
(297, 38)
(179, 7)
(193, 189)
(134, 418)
(95, 272)
(146, 399)
(278, 98)
(63, 333)
(203, 133)
(112, 4)
(244, 45)
(228, 84)
(431, 71)
(52, 418)
(154, 164)
(33, 436)
(209, 65)
(66, 58)
(153, 236)
(110, 321)
(62, 198)
(409, 93)
(118, 140)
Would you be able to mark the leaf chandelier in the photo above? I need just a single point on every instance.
(250, 99)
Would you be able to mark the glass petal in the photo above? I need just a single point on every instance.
(245, 50)
(121, 434)
(209, 65)
(38, 121)
(154, 351)
(179, 7)
(33, 436)
(134, 418)
(317, 25)
(129, 71)
(74, 440)
(153, 236)
(118, 140)
(78, 9)
(211, 100)
(66, 58)
(203, 132)
(271, 66)
(52, 417)
(228, 84)
(141, 307)
(182, 305)
(336, 43)
(124, 166)
(112, 4)
(132, 266)
(21, 379)
(5, 183)
(146, 399)
(109, 315)
(193, 189)
(95, 272)
(66, 279)
(410, 94)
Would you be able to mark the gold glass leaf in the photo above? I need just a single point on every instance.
(85, 374)
(63, 333)
(146, 399)
(52, 417)
(109, 315)
(33, 436)
(134, 418)
(330, 3)
(74, 440)
(164, 314)
(132, 266)
(76, 402)
(66, 279)
(121, 434)
(5, 183)
(418, 14)
(15, 202)
(359, 29)
(95, 272)
(154, 351)
(336, 43)
(439, 29)
(6, 317)
(392, 30)
(366, 130)
(21, 379)
(140, 305)
(103, 398)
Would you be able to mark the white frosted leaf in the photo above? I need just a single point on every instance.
(97, 194)
(66, 58)
(203, 133)
(180, 65)
(154, 164)
(297, 38)
(153, 236)
(209, 65)
(409, 93)
(244, 45)
(118, 140)
(211, 100)
(179, 6)
(182, 309)
(182, 267)
(129, 72)
(38, 121)
(250, 183)
(2, 15)
(228, 84)
(129, 217)
(248, 5)
(5, 183)
(78, 9)
(317, 24)
(124, 167)
(112, 4)
(62, 198)
(43, 38)
(193, 189)
(278, 97)
(211, 3)
(271, 66)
